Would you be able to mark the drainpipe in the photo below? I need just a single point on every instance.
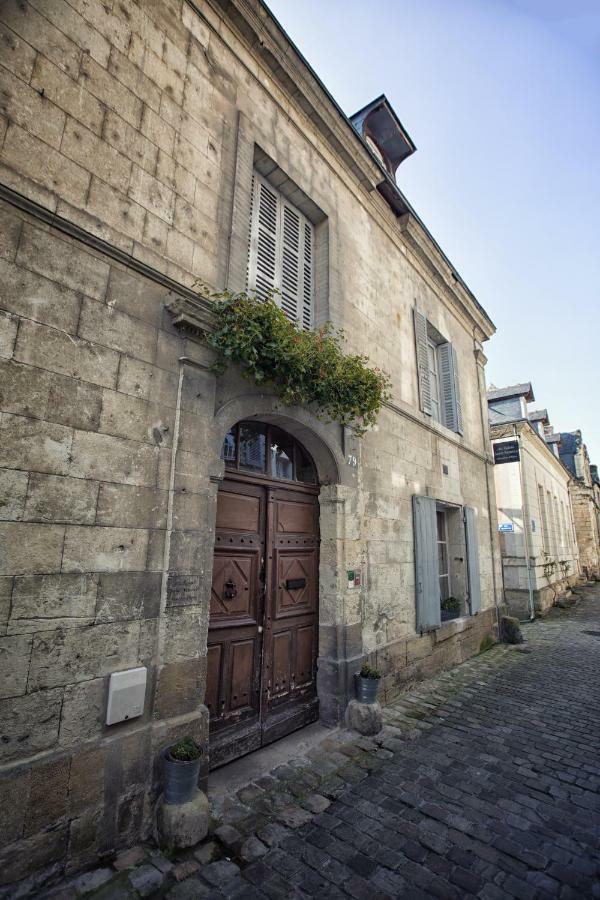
(526, 523)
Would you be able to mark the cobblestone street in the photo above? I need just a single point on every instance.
(484, 783)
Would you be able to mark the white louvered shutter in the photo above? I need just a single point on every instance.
(422, 361)
(451, 405)
(281, 253)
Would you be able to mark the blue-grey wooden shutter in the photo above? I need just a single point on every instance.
(451, 405)
(280, 257)
(472, 560)
(263, 261)
(427, 575)
(422, 361)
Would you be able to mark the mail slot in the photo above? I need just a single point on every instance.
(293, 584)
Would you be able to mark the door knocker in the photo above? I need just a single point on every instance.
(230, 590)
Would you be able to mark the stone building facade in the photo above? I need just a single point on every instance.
(158, 517)
(584, 500)
(540, 556)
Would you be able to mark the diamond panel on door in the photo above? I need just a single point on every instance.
(232, 599)
(296, 582)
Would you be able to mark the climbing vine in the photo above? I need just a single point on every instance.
(303, 367)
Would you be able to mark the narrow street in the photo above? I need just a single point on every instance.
(484, 783)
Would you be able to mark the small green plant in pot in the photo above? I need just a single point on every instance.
(450, 608)
(181, 766)
(367, 684)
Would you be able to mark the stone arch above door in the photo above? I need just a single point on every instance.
(323, 441)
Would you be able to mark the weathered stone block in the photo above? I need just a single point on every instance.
(48, 793)
(182, 825)
(185, 630)
(94, 549)
(136, 296)
(13, 489)
(39, 33)
(46, 602)
(21, 104)
(29, 724)
(69, 96)
(110, 91)
(86, 779)
(11, 224)
(14, 797)
(137, 420)
(54, 498)
(8, 334)
(147, 382)
(32, 853)
(128, 595)
(30, 443)
(179, 687)
(366, 718)
(107, 458)
(26, 548)
(121, 215)
(77, 654)
(56, 351)
(63, 260)
(74, 403)
(23, 390)
(31, 295)
(15, 653)
(131, 506)
(95, 155)
(84, 711)
(130, 142)
(6, 587)
(117, 330)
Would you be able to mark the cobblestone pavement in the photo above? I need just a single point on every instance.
(484, 783)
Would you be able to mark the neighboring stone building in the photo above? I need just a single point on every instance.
(539, 553)
(585, 491)
(159, 517)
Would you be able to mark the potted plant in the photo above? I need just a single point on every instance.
(181, 764)
(450, 608)
(367, 684)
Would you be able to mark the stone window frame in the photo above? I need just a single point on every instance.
(250, 157)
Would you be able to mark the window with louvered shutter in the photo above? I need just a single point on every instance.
(421, 342)
(450, 397)
(281, 253)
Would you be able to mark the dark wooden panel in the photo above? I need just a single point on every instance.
(234, 593)
(291, 565)
(305, 655)
(238, 512)
(295, 517)
(213, 678)
(241, 673)
(280, 666)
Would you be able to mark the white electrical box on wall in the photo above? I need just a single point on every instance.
(126, 694)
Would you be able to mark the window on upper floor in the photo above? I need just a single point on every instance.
(281, 253)
(437, 370)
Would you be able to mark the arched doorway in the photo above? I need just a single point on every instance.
(263, 627)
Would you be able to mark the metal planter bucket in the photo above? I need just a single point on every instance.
(181, 778)
(366, 689)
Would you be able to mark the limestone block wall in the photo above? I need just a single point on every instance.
(90, 389)
(585, 518)
(553, 552)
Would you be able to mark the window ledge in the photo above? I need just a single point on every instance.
(453, 626)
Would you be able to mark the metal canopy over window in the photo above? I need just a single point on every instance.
(260, 449)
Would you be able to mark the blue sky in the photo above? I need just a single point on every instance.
(502, 98)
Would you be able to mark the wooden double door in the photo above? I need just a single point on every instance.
(263, 628)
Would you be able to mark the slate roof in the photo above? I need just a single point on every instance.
(516, 390)
(538, 415)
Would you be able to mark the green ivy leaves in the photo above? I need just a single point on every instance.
(304, 367)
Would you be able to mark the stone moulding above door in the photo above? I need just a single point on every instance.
(192, 318)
